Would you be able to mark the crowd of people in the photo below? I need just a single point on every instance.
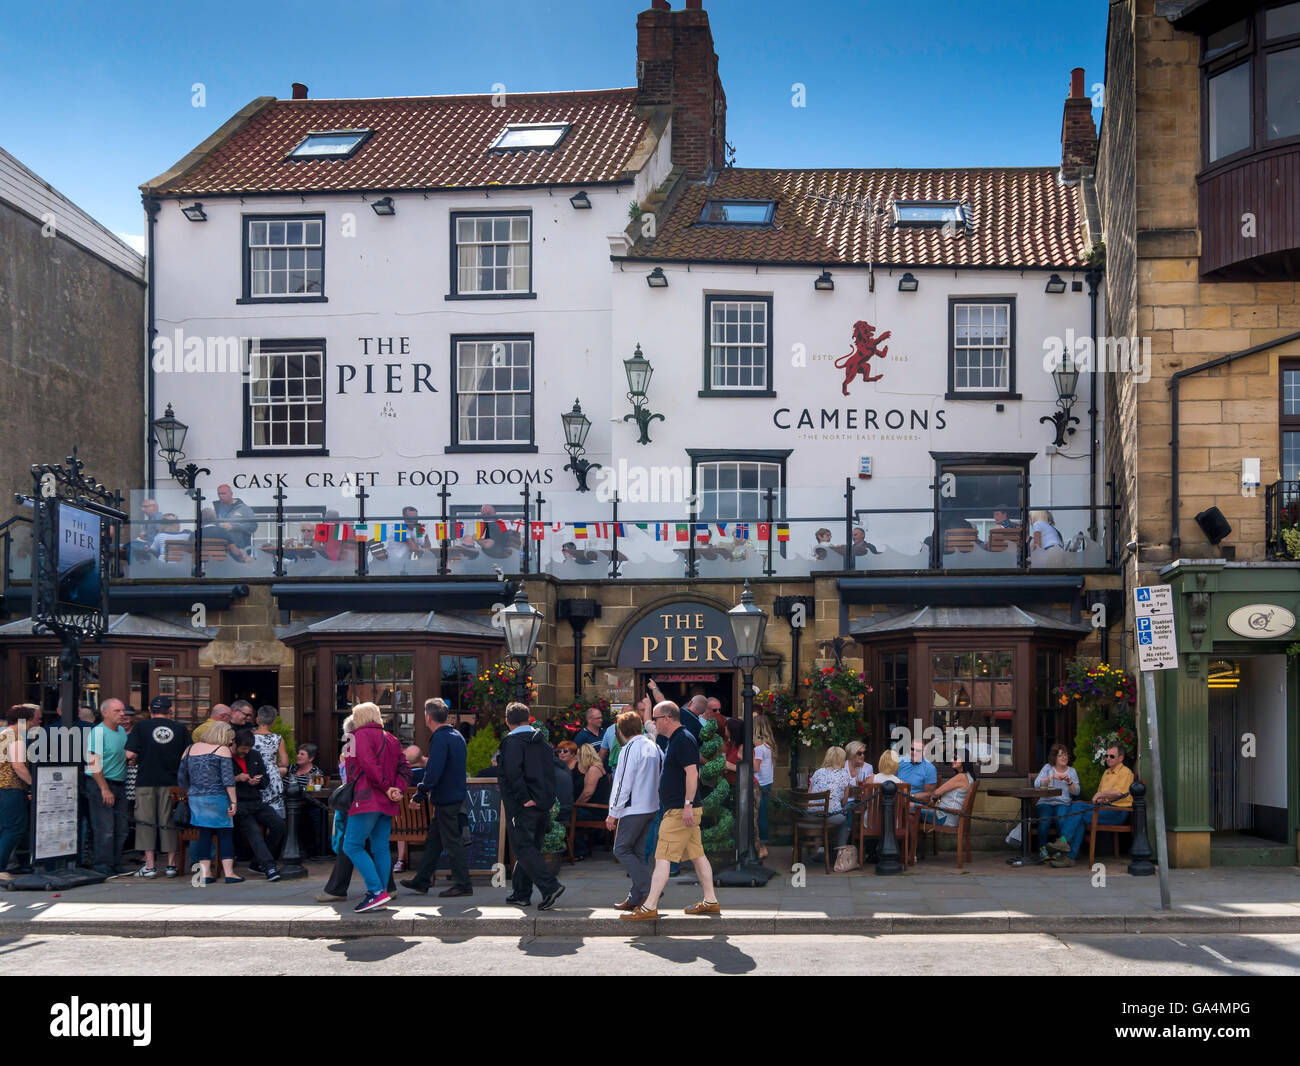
(638, 777)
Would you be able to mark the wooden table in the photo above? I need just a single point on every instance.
(1026, 796)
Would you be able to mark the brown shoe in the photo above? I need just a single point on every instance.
(639, 915)
(704, 907)
(625, 905)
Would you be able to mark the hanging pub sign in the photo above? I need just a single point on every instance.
(685, 634)
(70, 575)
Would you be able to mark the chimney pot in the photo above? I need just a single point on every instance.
(660, 5)
(1076, 82)
(694, 5)
(299, 91)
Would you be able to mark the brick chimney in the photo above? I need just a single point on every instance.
(299, 91)
(676, 65)
(1078, 133)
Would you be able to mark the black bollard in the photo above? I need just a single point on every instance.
(290, 862)
(1140, 853)
(887, 861)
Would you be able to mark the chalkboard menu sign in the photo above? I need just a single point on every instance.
(487, 826)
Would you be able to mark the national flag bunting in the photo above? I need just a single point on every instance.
(620, 529)
(722, 529)
(764, 531)
(702, 531)
(682, 532)
(783, 531)
(661, 531)
(741, 532)
(538, 530)
(579, 530)
(361, 531)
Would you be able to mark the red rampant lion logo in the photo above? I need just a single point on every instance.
(865, 345)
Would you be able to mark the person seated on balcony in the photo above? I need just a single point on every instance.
(416, 542)
(1002, 519)
(235, 517)
(1056, 773)
(1043, 532)
(862, 546)
(169, 531)
(147, 527)
(822, 543)
(495, 542)
(215, 532)
(1112, 792)
(570, 553)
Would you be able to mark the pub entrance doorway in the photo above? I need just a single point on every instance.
(680, 686)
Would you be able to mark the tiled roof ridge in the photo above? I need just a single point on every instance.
(541, 93)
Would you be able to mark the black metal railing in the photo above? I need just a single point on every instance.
(1282, 520)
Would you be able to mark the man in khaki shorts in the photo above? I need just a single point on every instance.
(679, 832)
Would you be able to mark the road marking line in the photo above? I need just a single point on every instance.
(1177, 941)
(1216, 955)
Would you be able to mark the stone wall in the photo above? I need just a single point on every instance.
(71, 359)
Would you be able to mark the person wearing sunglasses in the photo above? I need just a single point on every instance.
(1113, 791)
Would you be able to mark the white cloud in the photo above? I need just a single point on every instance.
(134, 240)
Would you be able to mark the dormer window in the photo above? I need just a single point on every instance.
(530, 136)
(738, 212)
(929, 213)
(335, 144)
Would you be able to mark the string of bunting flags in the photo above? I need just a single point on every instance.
(680, 532)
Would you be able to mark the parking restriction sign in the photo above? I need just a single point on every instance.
(1156, 642)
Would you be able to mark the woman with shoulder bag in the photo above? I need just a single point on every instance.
(379, 773)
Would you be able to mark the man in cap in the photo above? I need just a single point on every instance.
(154, 747)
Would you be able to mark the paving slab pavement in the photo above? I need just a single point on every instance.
(933, 897)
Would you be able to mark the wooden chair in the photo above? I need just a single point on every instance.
(873, 827)
(1001, 538)
(1114, 830)
(810, 813)
(857, 795)
(178, 551)
(575, 824)
(410, 824)
(962, 830)
(959, 540)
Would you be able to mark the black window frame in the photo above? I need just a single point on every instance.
(987, 394)
(1286, 423)
(1255, 51)
(708, 392)
(957, 460)
(453, 279)
(775, 456)
(247, 296)
(456, 447)
(365, 135)
(248, 449)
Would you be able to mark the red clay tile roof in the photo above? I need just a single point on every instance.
(1023, 217)
(420, 143)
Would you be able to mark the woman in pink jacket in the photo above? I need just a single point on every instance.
(377, 766)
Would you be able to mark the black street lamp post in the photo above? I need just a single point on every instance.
(523, 625)
(747, 626)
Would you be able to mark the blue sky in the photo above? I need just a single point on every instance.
(96, 98)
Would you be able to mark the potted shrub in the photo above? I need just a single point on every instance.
(1105, 697)
(555, 844)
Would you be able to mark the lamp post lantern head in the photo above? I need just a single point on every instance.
(169, 434)
(639, 371)
(576, 427)
(747, 626)
(523, 624)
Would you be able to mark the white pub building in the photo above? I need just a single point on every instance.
(371, 316)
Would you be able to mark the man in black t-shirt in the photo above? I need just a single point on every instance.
(679, 831)
(154, 748)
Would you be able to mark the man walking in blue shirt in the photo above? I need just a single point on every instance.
(443, 785)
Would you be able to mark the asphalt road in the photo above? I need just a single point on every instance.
(974, 955)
